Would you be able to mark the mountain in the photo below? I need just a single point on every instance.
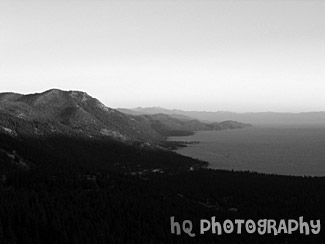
(258, 118)
(153, 110)
(168, 125)
(73, 113)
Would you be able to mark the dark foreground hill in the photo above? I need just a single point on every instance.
(73, 190)
(68, 190)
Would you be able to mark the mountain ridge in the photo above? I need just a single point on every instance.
(255, 118)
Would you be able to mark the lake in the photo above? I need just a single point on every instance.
(276, 150)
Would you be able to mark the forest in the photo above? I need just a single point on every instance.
(83, 191)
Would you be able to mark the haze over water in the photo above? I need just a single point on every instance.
(287, 150)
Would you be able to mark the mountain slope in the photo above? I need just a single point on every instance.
(68, 113)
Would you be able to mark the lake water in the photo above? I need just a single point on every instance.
(276, 150)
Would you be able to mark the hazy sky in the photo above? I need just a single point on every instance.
(194, 55)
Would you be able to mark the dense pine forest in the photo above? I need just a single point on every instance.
(68, 190)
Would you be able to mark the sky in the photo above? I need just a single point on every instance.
(241, 56)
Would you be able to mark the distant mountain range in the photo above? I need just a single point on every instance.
(258, 118)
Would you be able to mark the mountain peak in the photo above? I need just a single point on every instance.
(53, 90)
